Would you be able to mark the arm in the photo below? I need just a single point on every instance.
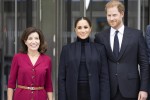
(148, 40)
(50, 96)
(48, 84)
(148, 36)
(12, 78)
(10, 94)
(104, 77)
(144, 68)
(62, 76)
(97, 39)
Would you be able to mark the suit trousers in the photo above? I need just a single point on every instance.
(119, 96)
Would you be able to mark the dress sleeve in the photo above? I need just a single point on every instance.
(48, 84)
(13, 73)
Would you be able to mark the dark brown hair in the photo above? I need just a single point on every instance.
(82, 18)
(24, 37)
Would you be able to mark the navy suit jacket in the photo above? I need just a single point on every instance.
(147, 36)
(148, 40)
(124, 71)
(97, 66)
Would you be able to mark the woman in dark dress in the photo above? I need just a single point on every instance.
(83, 68)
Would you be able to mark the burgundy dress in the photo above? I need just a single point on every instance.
(24, 73)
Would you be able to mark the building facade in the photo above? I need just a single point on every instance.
(56, 19)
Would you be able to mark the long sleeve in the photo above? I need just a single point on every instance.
(13, 73)
(48, 83)
(62, 76)
(104, 77)
(143, 62)
(148, 40)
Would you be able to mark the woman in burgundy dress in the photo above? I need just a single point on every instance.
(30, 74)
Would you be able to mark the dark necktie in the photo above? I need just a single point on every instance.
(116, 45)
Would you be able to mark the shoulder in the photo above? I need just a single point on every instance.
(103, 32)
(68, 46)
(18, 55)
(99, 46)
(133, 30)
(46, 57)
(148, 27)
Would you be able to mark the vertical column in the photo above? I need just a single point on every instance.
(16, 15)
(69, 17)
(82, 8)
(0, 56)
(149, 11)
(139, 14)
(29, 13)
(126, 13)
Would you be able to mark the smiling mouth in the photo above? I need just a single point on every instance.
(83, 34)
(34, 46)
(112, 23)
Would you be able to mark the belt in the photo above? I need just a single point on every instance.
(30, 88)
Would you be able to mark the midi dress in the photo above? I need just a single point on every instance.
(24, 73)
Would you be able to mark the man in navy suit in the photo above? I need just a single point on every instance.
(126, 49)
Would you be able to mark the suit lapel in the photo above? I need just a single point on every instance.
(39, 60)
(107, 44)
(124, 42)
(27, 59)
(88, 54)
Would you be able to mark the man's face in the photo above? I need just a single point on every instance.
(114, 17)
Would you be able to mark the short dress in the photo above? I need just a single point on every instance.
(24, 73)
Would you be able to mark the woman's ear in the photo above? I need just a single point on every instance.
(91, 29)
(75, 29)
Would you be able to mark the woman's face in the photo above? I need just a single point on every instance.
(83, 29)
(33, 42)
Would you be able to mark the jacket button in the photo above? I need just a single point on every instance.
(32, 77)
(32, 84)
(89, 74)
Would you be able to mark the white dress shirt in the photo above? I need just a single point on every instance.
(120, 36)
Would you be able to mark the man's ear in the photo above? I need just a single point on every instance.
(122, 13)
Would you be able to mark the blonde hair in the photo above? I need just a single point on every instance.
(115, 3)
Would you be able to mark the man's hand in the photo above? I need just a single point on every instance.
(142, 95)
